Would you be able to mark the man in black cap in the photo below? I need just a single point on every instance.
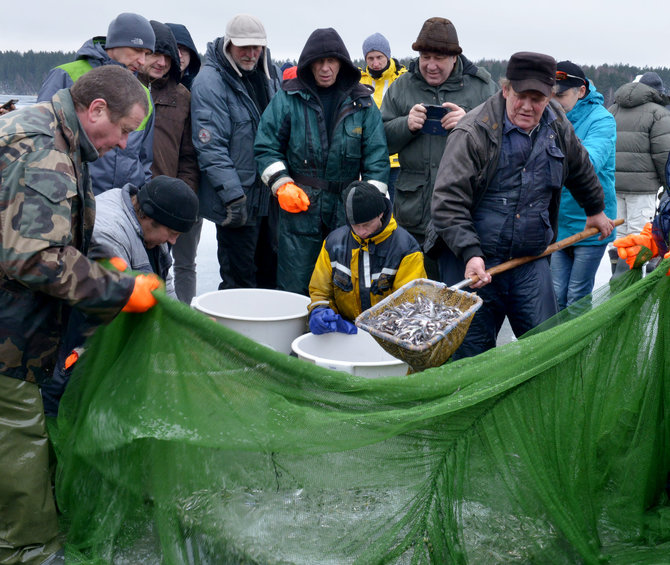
(497, 193)
(134, 226)
(361, 263)
(137, 225)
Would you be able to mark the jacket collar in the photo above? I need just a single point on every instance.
(72, 128)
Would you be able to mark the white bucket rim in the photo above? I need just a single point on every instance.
(195, 303)
(295, 346)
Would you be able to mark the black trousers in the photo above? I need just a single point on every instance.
(248, 255)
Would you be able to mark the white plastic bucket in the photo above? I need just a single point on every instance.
(358, 354)
(273, 318)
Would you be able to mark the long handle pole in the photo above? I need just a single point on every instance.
(507, 265)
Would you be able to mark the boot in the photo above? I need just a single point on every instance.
(614, 258)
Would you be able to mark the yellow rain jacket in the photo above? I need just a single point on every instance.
(395, 69)
(353, 274)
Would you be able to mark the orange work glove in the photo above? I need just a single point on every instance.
(73, 357)
(637, 249)
(292, 198)
(141, 299)
(115, 263)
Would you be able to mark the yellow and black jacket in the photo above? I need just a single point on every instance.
(381, 84)
(353, 274)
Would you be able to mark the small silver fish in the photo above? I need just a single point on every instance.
(416, 322)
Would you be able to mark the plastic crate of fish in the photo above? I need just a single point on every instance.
(436, 350)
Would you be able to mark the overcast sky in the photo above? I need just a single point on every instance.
(584, 31)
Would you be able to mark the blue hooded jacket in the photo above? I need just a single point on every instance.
(596, 129)
(224, 123)
(183, 37)
(119, 166)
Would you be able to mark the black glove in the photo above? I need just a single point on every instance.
(236, 213)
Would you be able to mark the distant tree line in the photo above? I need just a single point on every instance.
(23, 73)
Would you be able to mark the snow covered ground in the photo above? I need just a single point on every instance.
(208, 271)
(208, 267)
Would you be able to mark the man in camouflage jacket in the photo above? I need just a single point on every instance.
(47, 210)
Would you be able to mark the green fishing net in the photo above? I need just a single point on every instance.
(180, 441)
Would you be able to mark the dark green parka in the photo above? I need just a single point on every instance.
(419, 154)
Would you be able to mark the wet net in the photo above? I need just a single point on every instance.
(180, 441)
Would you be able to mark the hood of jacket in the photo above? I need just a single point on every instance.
(166, 44)
(584, 106)
(636, 93)
(323, 43)
(94, 50)
(183, 37)
(221, 44)
(214, 57)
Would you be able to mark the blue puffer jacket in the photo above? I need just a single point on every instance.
(120, 166)
(224, 123)
(596, 128)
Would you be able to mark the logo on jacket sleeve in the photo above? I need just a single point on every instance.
(204, 136)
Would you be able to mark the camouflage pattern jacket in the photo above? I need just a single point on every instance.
(47, 210)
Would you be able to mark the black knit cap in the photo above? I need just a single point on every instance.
(170, 202)
(532, 71)
(438, 35)
(363, 202)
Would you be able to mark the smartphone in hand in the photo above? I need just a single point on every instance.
(433, 123)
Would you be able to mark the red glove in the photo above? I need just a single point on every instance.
(637, 249)
(292, 198)
(142, 298)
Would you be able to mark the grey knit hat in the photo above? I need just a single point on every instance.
(377, 42)
(170, 202)
(652, 79)
(130, 30)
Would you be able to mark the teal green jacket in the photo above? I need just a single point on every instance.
(292, 140)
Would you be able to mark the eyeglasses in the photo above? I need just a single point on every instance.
(562, 75)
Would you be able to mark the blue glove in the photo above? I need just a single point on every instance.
(325, 320)
(344, 327)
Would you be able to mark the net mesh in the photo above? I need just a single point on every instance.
(180, 441)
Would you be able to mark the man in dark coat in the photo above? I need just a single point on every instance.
(174, 155)
(497, 193)
(319, 133)
(229, 95)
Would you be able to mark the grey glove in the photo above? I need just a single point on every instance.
(236, 213)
